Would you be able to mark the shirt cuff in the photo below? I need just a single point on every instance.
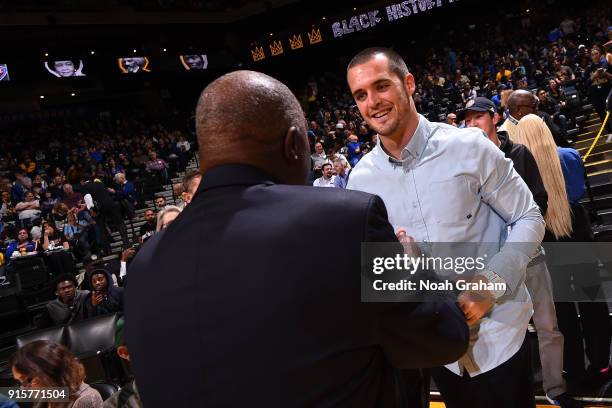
(123, 269)
(494, 278)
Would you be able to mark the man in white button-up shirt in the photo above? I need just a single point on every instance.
(443, 184)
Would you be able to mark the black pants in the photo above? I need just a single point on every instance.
(508, 386)
(593, 326)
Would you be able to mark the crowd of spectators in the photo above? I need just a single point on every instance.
(67, 185)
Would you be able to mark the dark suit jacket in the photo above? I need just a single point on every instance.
(251, 297)
(99, 193)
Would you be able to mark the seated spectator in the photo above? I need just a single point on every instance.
(45, 364)
(105, 297)
(39, 182)
(71, 198)
(22, 245)
(56, 187)
(327, 179)
(166, 216)
(28, 210)
(191, 182)
(59, 214)
(69, 307)
(468, 94)
(125, 194)
(114, 168)
(353, 147)
(160, 202)
(318, 158)
(7, 210)
(77, 234)
(18, 188)
(149, 227)
(177, 191)
(127, 396)
(47, 203)
(55, 245)
(341, 177)
(451, 119)
(158, 167)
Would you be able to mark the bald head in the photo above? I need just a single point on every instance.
(246, 117)
(522, 103)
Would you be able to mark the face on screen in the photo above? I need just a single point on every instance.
(134, 64)
(64, 68)
(195, 61)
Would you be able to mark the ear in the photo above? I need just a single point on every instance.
(291, 145)
(496, 118)
(122, 351)
(409, 84)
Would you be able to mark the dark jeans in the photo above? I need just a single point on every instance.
(509, 385)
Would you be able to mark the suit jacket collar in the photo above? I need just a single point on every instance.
(233, 174)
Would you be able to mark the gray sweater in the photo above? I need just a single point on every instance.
(61, 313)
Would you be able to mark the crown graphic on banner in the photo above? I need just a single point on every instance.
(296, 42)
(315, 36)
(258, 54)
(276, 48)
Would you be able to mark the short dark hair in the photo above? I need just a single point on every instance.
(160, 196)
(189, 178)
(325, 164)
(65, 277)
(396, 62)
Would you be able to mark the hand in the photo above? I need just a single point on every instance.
(111, 190)
(96, 299)
(410, 247)
(475, 304)
(127, 254)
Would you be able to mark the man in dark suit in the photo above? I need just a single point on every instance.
(108, 209)
(230, 306)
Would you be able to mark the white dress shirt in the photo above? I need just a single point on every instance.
(323, 182)
(453, 185)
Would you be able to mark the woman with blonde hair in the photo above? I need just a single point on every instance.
(563, 175)
(533, 133)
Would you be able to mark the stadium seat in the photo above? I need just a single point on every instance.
(105, 389)
(55, 334)
(92, 336)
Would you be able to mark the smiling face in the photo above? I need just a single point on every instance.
(381, 96)
(64, 68)
(194, 61)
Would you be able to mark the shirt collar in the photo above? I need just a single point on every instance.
(513, 120)
(413, 151)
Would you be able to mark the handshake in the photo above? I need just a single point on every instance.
(473, 303)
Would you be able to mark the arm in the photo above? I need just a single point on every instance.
(45, 243)
(507, 194)
(414, 334)
(21, 206)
